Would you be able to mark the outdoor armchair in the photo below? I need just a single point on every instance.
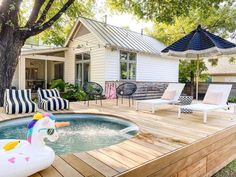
(93, 90)
(18, 101)
(126, 89)
(50, 99)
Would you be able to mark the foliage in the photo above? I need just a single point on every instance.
(232, 99)
(57, 34)
(213, 61)
(69, 91)
(74, 92)
(217, 20)
(229, 170)
(187, 71)
(232, 60)
(59, 84)
(162, 10)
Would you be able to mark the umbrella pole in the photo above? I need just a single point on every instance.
(197, 77)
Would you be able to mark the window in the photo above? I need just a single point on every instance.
(127, 65)
(82, 68)
(58, 70)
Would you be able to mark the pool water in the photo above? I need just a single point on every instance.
(86, 132)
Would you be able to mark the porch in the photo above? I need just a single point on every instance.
(37, 70)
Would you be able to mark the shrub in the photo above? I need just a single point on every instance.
(69, 91)
(232, 99)
(59, 84)
(74, 92)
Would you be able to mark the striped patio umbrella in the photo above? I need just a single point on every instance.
(199, 44)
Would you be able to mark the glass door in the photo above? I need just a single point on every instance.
(82, 68)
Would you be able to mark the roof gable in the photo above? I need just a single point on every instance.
(82, 31)
(116, 37)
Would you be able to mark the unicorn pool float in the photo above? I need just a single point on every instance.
(21, 158)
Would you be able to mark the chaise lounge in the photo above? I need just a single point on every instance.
(216, 98)
(170, 96)
(50, 99)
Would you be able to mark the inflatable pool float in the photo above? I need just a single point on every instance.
(21, 158)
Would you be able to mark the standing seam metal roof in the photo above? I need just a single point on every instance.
(122, 38)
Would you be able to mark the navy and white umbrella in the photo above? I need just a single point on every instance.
(199, 44)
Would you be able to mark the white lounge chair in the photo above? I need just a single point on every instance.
(154, 103)
(205, 108)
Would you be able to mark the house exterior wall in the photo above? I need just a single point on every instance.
(87, 43)
(224, 71)
(148, 67)
(224, 78)
(112, 61)
(154, 68)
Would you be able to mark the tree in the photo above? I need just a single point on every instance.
(188, 70)
(216, 20)
(13, 34)
(163, 10)
(57, 34)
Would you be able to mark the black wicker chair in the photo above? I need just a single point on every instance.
(94, 90)
(126, 89)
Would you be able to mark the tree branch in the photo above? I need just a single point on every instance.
(35, 12)
(44, 13)
(9, 14)
(36, 29)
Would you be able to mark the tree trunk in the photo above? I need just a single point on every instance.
(10, 49)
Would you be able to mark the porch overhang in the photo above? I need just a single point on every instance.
(45, 57)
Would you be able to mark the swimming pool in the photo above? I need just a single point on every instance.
(86, 132)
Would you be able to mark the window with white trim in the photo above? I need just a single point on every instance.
(127, 65)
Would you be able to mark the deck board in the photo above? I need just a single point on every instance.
(166, 146)
(81, 166)
(116, 165)
(65, 169)
(50, 172)
(96, 164)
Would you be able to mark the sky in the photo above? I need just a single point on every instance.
(124, 20)
(120, 20)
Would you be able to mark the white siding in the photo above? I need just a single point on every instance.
(224, 78)
(88, 43)
(153, 68)
(149, 68)
(112, 59)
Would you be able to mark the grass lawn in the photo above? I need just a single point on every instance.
(228, 171)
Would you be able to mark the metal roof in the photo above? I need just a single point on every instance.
(116, 37)
(27, 50)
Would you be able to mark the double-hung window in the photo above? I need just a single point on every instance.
(127, 65)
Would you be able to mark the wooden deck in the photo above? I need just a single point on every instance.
(166, 146)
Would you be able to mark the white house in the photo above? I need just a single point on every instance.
(224, 71)
(98, 52)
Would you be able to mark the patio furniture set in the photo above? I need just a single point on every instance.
(19, 101)
(216, 98)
